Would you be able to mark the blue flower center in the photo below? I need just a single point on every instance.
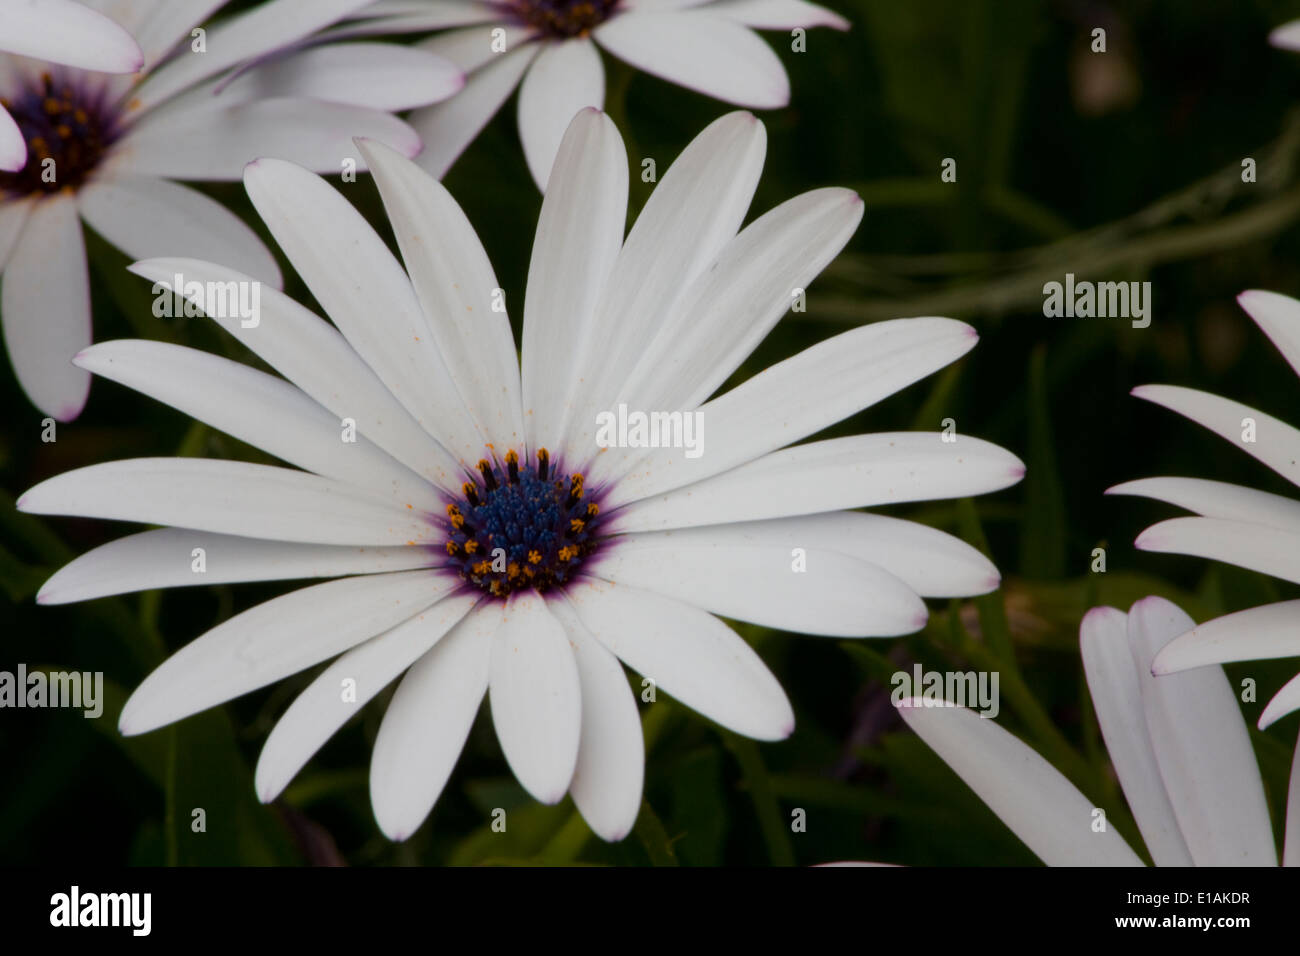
(563, 18)
(520, 527)
(67, 130)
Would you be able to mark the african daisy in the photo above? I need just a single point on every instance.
(1178, 743)
(1251, 529)
(481, 540)
(548, 49)
(106, 149)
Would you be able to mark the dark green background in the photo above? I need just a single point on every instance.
(1143, 184)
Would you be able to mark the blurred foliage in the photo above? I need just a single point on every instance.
(1120, 166)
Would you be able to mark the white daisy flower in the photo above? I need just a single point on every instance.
(1251, 529)
(548, 48)
(106, 149)
(65, 32)
(1178, 744)
(481, 540)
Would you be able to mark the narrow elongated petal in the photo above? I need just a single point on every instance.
(62, 31)
(1274, 551)
(159, 25)
(1202, 747)
(1275, 443)
(779, 14)
(689, 654)
(1027, 793)
(932, 563)
(817, 592)
(1258, 633)
(236, 399)
(179, 557)
(153, 217)
(1291, 851)
(427, 721)
(698, 49)
(579, 235)
(732, 306)
(853, 472)
(566, 77)
(320, 710)
(1279, 317)
(273, 640)
(313, 355)
(800, 396)
(446, 129)
(693, 212)
(1284, 702)
(1217, 499)
(1116, 691)
(535, 697)
(456, 286)
(45, 307)
(363, 288)
(229, 497)
(610, 771)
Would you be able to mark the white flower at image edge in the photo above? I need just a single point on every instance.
(467, 450)
(65, 32)
(1251, 529)
(106, 149)
(548, 49)
(1178, 744)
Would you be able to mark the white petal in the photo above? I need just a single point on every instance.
(448, 128)
(320, 710)
(689, 654)
(474, 47)
(381, 76)
(693, 212)
(1291, 846)
(427, 721)
(1027, 793)
(216, 144)
(229, 497)
(1284, 702)
(362, 287)
(702, 51)
(932, 563)
(273, 640)
(154, 217)
(166, 558)
(1279, 317)
(732, 306)
(1217, 499)
(13, 147)
(859, 471)
(1203, 748)
(1258, 633)
(13, 217)
(579, 235)
(798, 397)
(1287, 36)
(610, 771)
(313, 355)
(1275, 442)
(268, 27)
(779, 14)
(260, 409)
(456, 286)
(1274, 551)
(535, 697)
(45, 304)
(418, 16)
(566, 77)
(1116, 691)
(159, 25)
(759, 582)
(62, 31)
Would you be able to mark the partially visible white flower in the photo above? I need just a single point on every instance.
(65, 32)
(1286, 37)
(482, 538)
(106, 149)
(548, 48)
(1251, 529)
(1178, 743)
